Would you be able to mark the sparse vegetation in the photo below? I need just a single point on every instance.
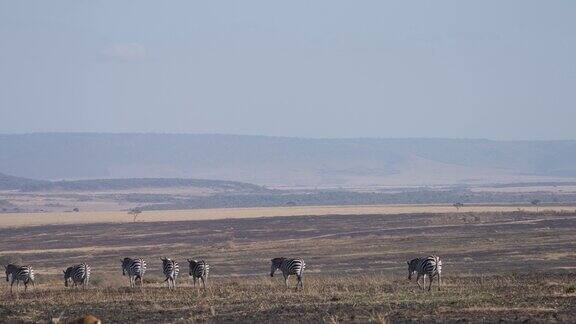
(458, 205)
(535, 202)
(134, 212)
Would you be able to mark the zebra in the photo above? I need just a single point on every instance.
(135, 269)
(16, 273)
(78, 274)
(170, 268)
(289, 267)
(430, 266)
(199, 270)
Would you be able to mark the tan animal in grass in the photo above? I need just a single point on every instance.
(88, 319)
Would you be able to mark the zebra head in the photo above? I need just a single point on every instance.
(276, 262)
(67, 276)
(412, 267)
(10, 269)
(125, 264)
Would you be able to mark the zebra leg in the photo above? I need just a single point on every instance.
(286, 281)
(25, 286)
(439, 281)
(418, 281)
(194, 279)
(11, 285)
(300, 282)
(424, 281)
(203, 282)
(430, 281)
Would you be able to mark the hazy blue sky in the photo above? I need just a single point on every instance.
(489, 69)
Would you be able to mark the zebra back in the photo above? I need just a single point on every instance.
(431, 266)
(19, 273)
(288, 266)
(133, 267)
(79, 274)
(170, 268)
(198, 269)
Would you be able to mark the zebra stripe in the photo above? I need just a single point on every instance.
(78, 274)
(16, 273)
(135, 269)
(289, 267)
(199, 270)
(430, 266)
(170, 269)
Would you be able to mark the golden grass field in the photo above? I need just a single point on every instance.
(60, 218)
(329, 299)
(498, 265)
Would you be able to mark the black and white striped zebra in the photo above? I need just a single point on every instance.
(16, 273)
(289, 267)
(430, 266)
(170, 269)
(78, 275)
(135, 269)
(198, 270)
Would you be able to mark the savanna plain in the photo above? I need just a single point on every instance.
(498, 266)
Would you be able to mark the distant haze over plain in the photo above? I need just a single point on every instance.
(286, 162)
(323, 69)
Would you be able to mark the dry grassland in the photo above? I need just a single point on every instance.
(56, 218)
(325, 298)
(511, 266)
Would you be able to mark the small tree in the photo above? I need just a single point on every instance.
(134, 212)
(535, 202)
(458, 205)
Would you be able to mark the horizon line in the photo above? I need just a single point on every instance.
(282, 136)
